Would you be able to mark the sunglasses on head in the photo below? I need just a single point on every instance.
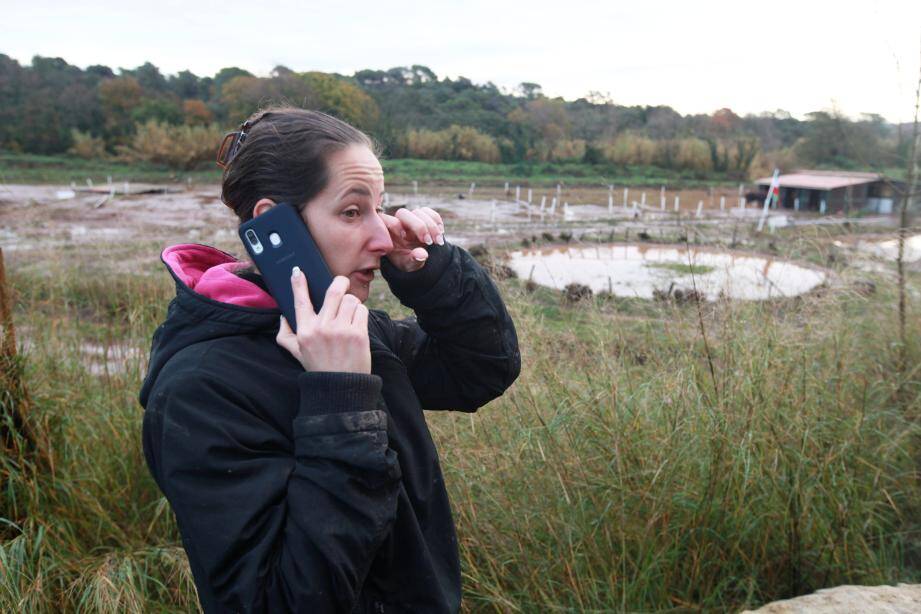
(231, 145)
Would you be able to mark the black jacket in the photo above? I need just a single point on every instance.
(321, 492)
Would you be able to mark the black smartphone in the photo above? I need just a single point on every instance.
(278, 240)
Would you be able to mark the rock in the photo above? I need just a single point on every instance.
(900, 599)
(575, 292)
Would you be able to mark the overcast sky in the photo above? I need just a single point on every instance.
(694, 56)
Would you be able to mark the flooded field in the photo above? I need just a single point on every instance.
(641, 270)
(125, 232)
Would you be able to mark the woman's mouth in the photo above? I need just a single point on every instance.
(365, 276)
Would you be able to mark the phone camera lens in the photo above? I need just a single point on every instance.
(254, 241)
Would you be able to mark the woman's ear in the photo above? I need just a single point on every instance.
(262, 206)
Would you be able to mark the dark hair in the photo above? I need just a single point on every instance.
(284, 158)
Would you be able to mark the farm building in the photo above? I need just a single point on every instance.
(833, 191)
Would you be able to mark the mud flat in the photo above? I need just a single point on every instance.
(640, 270)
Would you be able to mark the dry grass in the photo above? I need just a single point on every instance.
(612, 476)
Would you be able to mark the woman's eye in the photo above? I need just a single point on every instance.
(350, 213)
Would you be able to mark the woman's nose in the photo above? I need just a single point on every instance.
(380, 241)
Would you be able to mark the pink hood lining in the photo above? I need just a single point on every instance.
(211, 273)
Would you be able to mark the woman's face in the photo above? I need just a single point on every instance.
(345, 220)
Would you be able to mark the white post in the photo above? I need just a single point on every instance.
(543, 201)
(700, 208)
(530, 200)
(822, 207)
(472, 188)
(506, 188)
(626, 194)
(553, 206)
(610, 203)
(89, 182)
(662, 198)
(517, 193)
(677, 203)
(415, 188)
(109, 179)
(796, 204)
(127, 187)
(770, 197)
(643, 200)
(741, 202)
(492, 213)
(722, 203)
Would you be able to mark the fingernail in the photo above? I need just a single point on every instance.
(295, 271)
(428, 239)
(422, 259)
(441, 239)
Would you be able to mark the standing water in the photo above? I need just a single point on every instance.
(638, 270)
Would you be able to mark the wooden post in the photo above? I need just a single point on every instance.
(662, 198)
(517, 194)
(677, 203)
(610, 203)
(700, 208)
(626, 194)
(530, 200)
(472, 188)
(722, 203)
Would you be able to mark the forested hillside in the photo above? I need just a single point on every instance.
(140, 114)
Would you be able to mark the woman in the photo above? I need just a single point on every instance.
(300, 467)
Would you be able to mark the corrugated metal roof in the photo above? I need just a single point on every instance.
(822, 180)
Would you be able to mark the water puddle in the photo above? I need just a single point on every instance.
(889, 250)
(639, 270)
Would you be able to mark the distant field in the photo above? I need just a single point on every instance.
(28, 168)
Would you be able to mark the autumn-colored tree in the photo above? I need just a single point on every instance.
(196, 112)
(243, 95)
(345, 100)
(725, 121)
(119, 98)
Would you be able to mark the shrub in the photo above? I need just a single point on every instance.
(178, 147)
(86, 145)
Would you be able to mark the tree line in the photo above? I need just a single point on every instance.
(52, 107)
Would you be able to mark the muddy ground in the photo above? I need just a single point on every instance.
(125, 231)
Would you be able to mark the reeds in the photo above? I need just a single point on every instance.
(610, 477)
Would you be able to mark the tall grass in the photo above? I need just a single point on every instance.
(610, 477)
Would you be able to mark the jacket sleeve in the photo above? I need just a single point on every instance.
(273, 525)
(461, 350)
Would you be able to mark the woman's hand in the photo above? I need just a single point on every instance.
(336, 338)
(410, 232)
